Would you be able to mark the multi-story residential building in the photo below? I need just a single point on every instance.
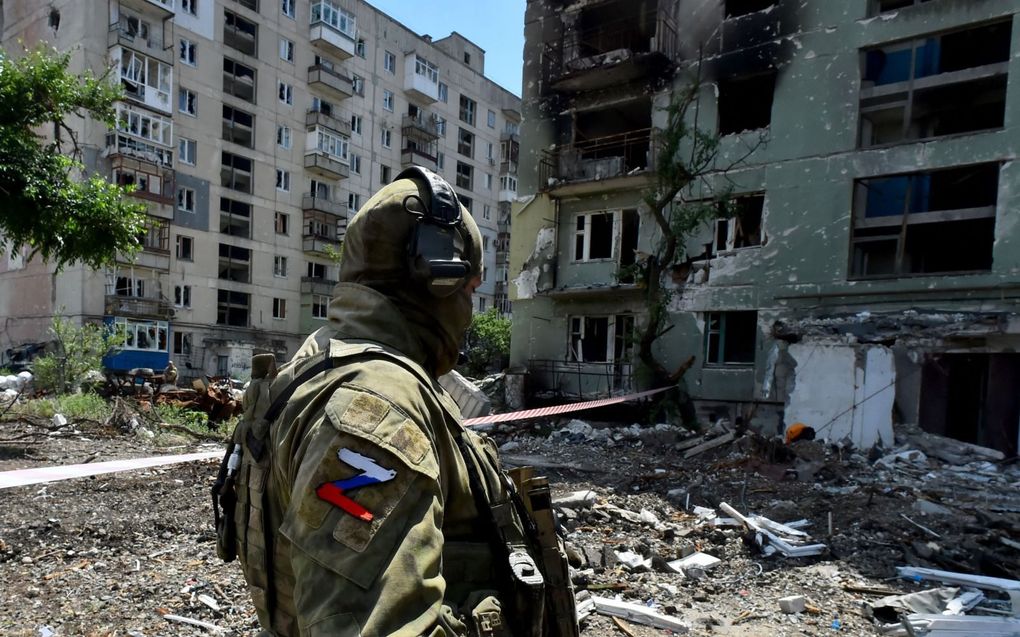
(253, 129)
(870, 273)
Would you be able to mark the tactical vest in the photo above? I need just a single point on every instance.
(538, 604)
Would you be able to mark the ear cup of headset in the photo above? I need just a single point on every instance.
(436, 246)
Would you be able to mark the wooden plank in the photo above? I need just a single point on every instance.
(711, 444)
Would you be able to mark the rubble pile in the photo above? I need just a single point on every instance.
(218, 398)
(718, 533)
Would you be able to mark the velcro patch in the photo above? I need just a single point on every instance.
(365, 412)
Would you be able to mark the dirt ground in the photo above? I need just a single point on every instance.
(119, 554)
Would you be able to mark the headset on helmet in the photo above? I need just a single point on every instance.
(435, 246)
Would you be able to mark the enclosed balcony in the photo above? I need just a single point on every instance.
(323, 233)
(421, 78)
(333, 29)
(610, 43)
(144, 78)
(330, 80)
(149, 181)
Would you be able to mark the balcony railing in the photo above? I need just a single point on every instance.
(312, 285)
(597, 159)
(418, 157)
(326, 165)
(120, 35)
(330, 79)
(311, 203)
(420, 126)
(332, 122)
(138, 307)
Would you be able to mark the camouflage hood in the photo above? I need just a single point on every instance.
(428, 329)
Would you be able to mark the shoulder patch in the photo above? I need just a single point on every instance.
(375, 420)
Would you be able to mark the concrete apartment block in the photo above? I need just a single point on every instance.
(254, 129)
(870, 271)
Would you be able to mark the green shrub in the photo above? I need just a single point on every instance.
(86, 405)
(77, 350)
(487, 342)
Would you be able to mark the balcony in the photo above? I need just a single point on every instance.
(121, 35)
(137, 307)
(310, 285)
(610, 44)
(331, 41)
(318, 118)
(421, 86)
(417, 157)
(420, 126)
(311, 203)
(330, 80)
(325, 165)
(162, 8)
(601, 159)
(151, 182)
(144, 78)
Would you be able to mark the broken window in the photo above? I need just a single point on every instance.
(143, 335)
(735, 8)
(937, 85)
(182, 343)
(239, 33)
(235, 218)
(235, 263)
(235, 172)
(611, 26)
(238, 127)
(238, 80)
(926, 222)
(881, 6)
(593, 237)
(601, 339)
(730, 337)
(232, 308)
(628, 245)
(464, 175)
(743, 227)
(745, 103)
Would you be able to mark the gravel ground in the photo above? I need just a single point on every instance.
(116, 555)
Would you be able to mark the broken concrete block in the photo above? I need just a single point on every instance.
(793, 604)
(699, 560)
(577, 499)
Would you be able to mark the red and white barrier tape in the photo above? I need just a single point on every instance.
(24, 477)
(559, 409)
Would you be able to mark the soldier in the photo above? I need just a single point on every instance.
(363, 506)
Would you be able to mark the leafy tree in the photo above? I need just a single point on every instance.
(487, 341)
(47, 202)
(76, 351)
(685, 197)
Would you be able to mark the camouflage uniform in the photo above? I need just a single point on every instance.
(413, 554)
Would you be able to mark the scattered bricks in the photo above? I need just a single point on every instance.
(793, 604)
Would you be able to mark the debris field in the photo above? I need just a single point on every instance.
(725, 533)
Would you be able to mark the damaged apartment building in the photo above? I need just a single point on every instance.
(252, 130)
(869, 271)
